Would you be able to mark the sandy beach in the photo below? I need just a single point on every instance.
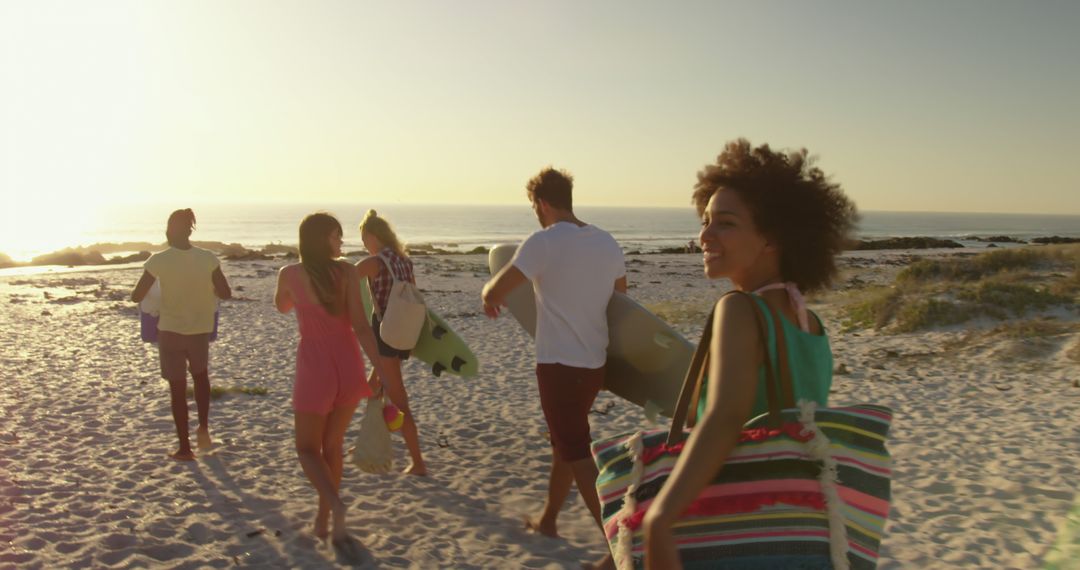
(986, 439)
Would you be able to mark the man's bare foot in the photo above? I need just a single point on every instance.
(203, 437)
(605, 563)
(414, 469)
(322, 524)
(183, 455)
(540, 526)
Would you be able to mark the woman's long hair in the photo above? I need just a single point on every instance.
(380, 228)
(315, 256)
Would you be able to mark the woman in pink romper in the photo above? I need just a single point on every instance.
(330, 380)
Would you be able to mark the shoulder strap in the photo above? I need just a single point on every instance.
(389, 268)
(695, 376)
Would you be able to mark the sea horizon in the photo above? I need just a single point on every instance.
(462, 227)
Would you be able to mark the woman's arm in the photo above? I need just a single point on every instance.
(369, 266)
(735, 353)
(282, 297)
(359, 320)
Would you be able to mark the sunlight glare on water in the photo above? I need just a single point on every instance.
(35, 226)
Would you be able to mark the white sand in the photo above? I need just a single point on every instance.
(986, 448)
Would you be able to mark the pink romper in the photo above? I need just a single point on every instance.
(329, 367)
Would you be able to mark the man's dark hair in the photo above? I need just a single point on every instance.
(552, 186)
(792, 203)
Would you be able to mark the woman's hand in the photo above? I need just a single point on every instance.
(376, 383)
(660, 550)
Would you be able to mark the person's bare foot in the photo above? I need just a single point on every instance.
(183, 455)
(338, 514)
(414, 469)
(540, 526)
(605, 563)
(322, 524)
(203, 436)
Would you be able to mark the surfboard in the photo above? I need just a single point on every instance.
(647, 360)
(438, 346)
(149, 315)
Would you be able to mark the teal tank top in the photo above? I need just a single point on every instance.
(809, 359)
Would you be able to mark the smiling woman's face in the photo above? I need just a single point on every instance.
(730, 242)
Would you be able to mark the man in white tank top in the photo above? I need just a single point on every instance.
(574, 268)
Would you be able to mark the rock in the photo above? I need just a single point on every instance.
(278, 249)
(248, 256)
(69, 257)
(1055, 239)
(841, 370)
(905, 243)
(994, 239)
(141, 256)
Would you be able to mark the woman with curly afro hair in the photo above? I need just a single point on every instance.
(772, 224)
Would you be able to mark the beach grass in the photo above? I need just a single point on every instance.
(993, 263)
(1001, 285)
(679, 312)
(217, 392)
(1073, 354)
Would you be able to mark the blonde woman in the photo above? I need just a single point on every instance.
(388, 254)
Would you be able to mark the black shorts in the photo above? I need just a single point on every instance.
(386, 349)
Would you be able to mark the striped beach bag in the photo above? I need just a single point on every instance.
(805, 488)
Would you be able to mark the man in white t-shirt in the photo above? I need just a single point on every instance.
(574, 268)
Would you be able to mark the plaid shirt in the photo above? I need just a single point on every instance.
(403, 271)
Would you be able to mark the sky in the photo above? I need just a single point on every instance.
(911, 106)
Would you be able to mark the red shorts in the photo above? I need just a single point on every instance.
(178, 353)
(567, 394)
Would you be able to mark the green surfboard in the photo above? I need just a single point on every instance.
(439, 346)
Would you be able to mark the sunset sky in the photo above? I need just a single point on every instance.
(912, 106)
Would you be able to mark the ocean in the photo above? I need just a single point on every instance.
(461, 228)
